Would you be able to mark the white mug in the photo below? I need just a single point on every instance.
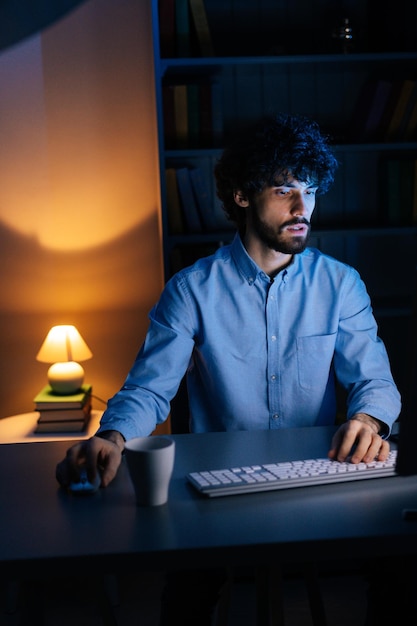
(150, 461)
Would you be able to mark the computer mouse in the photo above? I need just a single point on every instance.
(83, 485)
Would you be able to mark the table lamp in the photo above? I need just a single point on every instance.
(64, 347)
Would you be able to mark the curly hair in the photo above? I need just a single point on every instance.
(279, 144)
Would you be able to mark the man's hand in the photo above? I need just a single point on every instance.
(97, 454)
(359, 437)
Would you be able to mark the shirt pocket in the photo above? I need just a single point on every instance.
(314, 358)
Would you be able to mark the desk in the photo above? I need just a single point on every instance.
(21, 429)
(40, 524)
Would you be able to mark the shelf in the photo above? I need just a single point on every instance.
(340, 59)
(340, 147)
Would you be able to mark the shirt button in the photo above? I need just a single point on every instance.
(274, 338)
(273, 377)
(275, 416)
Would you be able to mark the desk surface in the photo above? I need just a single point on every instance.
(42, 524)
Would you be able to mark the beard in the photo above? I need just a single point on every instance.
(277, 240)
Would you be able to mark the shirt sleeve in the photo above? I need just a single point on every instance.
(163, 359)
(361, 360)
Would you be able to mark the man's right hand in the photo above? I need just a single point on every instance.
(101, 454)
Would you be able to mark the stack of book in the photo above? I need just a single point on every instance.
(63, 413)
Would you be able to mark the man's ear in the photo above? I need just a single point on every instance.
(240, 199)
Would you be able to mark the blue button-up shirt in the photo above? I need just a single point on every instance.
(259, 353)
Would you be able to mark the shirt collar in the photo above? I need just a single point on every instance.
(245, 264)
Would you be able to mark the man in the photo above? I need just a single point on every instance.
(265, 326)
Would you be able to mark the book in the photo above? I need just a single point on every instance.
(62, 426)
(398, 176)
(174, 211)
(168, 113)
(392, 181)
(48, 399)
(216, 114)
(360, 112)
(381, 94)
(389, 109)
(167, 32)
(202, 28)
(400, 134)
(203, 199)
(414, 201)
(182, 28)
(188, 201)
(410, 129)
(210, 208)
(206, 124)
(404, 95)
(181, 116)
(204, 111)
(406, 191)
(369, 109)
(62, 415)
(193, 113)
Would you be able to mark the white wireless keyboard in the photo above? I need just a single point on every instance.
(285, 475)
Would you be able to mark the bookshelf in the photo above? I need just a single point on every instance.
(289, 56)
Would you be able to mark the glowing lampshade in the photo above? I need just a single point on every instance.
(64, 347)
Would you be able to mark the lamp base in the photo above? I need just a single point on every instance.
(66, 378)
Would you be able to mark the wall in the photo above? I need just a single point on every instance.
(79, 199)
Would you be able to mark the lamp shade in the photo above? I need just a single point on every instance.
(64, 347)
(63, 343)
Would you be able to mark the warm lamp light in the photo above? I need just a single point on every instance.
(64, 347)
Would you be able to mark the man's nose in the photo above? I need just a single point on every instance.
(299, 207)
